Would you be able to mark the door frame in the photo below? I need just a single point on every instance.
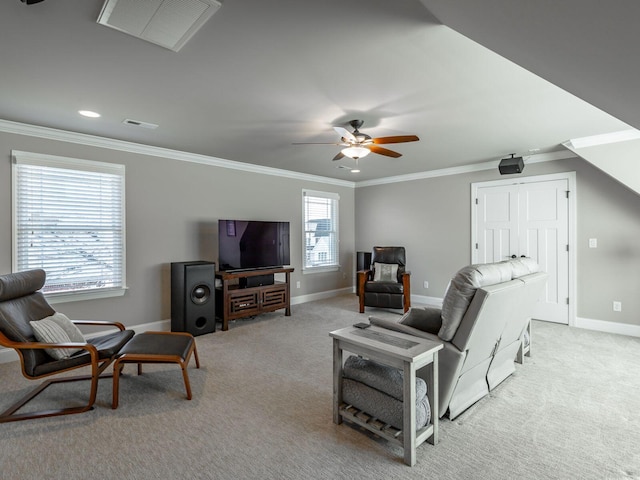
(571, 181)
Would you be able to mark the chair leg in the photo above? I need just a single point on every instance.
(9, 414)
(195, 355)
(183, 365)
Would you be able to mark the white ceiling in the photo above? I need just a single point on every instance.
(260, 76)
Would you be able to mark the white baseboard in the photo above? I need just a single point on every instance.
(321, 295)
(608, 327)
(424, 300)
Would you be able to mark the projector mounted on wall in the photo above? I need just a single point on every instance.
(511, 165)
(168, 23)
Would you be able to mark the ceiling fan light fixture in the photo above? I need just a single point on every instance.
(355, 152)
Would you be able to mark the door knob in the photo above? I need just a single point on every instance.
(514, 256)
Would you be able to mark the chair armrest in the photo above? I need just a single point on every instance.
(425, 319)
(366, 273)
(93, 351)
(399, 327)
(103, 323)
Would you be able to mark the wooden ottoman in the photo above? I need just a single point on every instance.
(156, 347)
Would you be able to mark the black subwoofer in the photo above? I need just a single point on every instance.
(193, 306)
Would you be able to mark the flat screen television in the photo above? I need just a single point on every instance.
(252, 244)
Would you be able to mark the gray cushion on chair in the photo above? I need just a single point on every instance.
(21, 284)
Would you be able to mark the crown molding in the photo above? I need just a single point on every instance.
(473, 167)
(138, 148)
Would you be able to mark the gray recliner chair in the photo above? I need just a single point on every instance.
(22, 302)
(387, 283)
(482, 323)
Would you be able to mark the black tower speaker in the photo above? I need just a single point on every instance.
(193, 307)
(363, 262)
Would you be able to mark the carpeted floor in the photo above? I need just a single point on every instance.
(261, 409)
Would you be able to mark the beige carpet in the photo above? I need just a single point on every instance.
(262, 410)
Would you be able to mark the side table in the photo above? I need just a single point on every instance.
(399, 350)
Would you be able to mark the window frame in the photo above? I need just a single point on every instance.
(307, 268)
(52, 161)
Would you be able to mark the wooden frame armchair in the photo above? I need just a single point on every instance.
(21, 302)
(392, 290)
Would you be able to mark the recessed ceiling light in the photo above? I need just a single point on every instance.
(88, 113)
(355, 170)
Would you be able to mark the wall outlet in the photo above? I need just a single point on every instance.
(298, 284)
(426, 284)
(593, 243)
(617, 306)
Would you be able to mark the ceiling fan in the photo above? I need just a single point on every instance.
(358, 144)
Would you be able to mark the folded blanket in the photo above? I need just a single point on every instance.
(382, 406)
(377, 389)
(381, 377)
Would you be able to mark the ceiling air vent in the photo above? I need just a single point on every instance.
(138, 123)
(168, 23)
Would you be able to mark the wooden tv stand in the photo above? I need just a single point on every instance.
(233, 301)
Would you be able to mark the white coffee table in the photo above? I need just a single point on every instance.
(398, 350)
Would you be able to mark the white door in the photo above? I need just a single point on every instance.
(528, 219)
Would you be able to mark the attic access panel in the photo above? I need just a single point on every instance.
(168, 23)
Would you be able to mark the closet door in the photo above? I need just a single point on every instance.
(528, 219)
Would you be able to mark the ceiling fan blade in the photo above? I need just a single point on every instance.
(396, 139)
(346, 134)
(338, 156)
(384, 151)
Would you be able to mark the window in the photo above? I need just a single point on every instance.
(320, 225)
(68, 219)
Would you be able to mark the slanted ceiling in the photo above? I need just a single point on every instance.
(168, 23)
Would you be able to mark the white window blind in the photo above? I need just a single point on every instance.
(320, 230)
(69, 220)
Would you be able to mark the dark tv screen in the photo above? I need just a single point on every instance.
(251, 244)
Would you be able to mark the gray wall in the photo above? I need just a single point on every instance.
(432, 219)
(172, 210)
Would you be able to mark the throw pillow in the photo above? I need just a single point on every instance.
(385, 272)
(57, 329)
